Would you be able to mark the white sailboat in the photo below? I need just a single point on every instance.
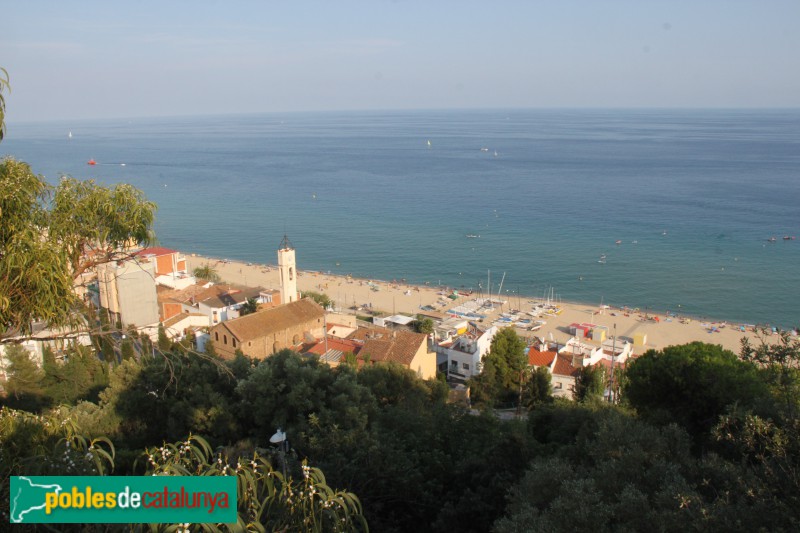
(69, 135)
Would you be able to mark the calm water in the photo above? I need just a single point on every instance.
(363, 193)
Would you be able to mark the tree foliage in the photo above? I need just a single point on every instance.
(322, 299)
(206, 272)
(249, 307)
(503, 370)
(538, 388)
(590, 384)
(780, 364)
(423, 325)
(691, 385)
(49, 236)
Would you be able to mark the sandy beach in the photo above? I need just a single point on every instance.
(395, 297)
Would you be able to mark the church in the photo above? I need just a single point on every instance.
(261, 334)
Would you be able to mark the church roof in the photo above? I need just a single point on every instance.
(269, 321)
(285, 244)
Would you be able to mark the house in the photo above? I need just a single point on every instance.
(217, 302)
(222, 302)
(170, 266)
(404, 347)
(560, 365)
(333, 350)
(564, 374)
(266, 332)
(460, 357)
(178, 326)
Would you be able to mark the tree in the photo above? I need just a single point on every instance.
(24, 386)
(590, 384)
(322, 299)
(503, 370)
(126, 349)
(692, 385)
(249, 307)
(781, 368)
(206, 272)
(164, 343)
(538, 388)
(423, 325)
(50, 236)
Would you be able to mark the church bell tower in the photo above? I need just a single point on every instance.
(288, 270)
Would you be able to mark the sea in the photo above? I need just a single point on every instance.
(666, 210)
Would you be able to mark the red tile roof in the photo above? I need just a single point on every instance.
(156, 251)
(397, 346)
(563, 366)
(537, 358)
(343, 345)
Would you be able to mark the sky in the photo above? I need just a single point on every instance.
(101, 59)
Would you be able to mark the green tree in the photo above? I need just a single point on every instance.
(780, 364)
(249, 307)
(164, 343)
(590, 384)
(322, 299)
(692, 385)
(503, 370)
(50, 236)
(80, 377)
(185, 393)
(538, 388)
(423, 325)
(126, 349)
(206, 272)
(24, 386)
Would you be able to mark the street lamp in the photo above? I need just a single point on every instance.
(279, 438)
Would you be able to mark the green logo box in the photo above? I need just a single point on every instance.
(122, 500)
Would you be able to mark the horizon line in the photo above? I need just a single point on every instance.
(10, 121)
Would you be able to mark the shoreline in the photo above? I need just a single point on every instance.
(396, 296)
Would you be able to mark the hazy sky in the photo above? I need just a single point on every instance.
(94, 59)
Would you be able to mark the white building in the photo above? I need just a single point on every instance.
(461, 356)
(128, 291)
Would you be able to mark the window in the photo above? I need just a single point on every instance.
(225, 340)
(291, 273)
(216, 336)
(233, 340)
(465, 366)
(558, 385)
(454, 365)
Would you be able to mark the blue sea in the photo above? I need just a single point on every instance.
(692, 195)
